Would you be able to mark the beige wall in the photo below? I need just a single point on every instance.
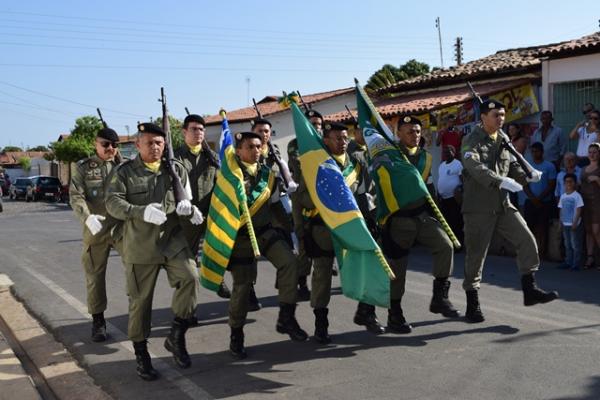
(567, 70)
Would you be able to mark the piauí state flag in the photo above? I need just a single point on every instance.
(224, 215)
(362, 267)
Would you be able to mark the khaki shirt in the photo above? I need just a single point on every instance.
(202, 174)
(485, 163)
(132, 187)
(89, 180)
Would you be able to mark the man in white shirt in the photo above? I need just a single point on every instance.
(449, 188)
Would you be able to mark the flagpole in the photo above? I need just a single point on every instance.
(246, 218)
(436, 211)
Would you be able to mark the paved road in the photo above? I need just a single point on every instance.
(542, 352)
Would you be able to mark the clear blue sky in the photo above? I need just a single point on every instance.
(61, 59)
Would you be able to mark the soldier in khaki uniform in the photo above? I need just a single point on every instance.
(490, 172)
(415, 223)
(86, 193)
(201, 165)
(304, 262)
(318, 241)
(259, 181)
(140, 193)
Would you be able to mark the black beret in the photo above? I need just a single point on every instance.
(246, 135)
(193, 118)
(149, 127)
(261, 121)
(313, 114)
(108, 134)
(334, 126)
(408, 119)
(490, 105)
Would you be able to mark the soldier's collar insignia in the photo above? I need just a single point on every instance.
(93, 164)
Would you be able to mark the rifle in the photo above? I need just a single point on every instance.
(207, 151)
(354, 121)
(288, 181)
(506, 143)
(117, 158)
(178, 190)
(306, 106)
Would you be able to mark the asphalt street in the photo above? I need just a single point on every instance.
(543, 352)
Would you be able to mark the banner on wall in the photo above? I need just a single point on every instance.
(520, 102)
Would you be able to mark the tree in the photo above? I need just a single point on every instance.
(72, 149)
(25, 163)
(38, 148)
(176, 130)
(389, 75)
(87, 127)
(11, 148)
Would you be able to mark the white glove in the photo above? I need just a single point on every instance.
(154, 215)
(184, 207)
(535, 176)
(292, 187)
(94, 223)
(197, 218)
(511, 185)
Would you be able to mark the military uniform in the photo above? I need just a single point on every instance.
(202, 174)
(243, 265)
(487, 208)
(148, 247)
(86, 194)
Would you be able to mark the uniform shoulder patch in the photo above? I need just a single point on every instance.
(83, 160)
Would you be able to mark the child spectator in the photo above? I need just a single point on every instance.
(571, 207)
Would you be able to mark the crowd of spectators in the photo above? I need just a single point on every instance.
(567, 198)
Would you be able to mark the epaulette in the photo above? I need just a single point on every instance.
(83, 161)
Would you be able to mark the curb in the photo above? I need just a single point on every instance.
(50, 361)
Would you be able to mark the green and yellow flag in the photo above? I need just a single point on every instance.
(365, 274)
(398, 182)
(227, 214)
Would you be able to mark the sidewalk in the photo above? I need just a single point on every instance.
(56, 373)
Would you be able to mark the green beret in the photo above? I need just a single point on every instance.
(149, 127)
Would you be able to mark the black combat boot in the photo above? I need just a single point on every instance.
(224, 291)
(286, 323)
(98, 327)
(365, 316)
(303, 292)
(396, 322)
(321, 325)
(473, 313)
(236, 343)
(440, 304)
(533, 295)
(253, 303)
(175, 343)
(193, 320)
(144, 363)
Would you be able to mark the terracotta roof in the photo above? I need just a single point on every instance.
(12, 157)
(269, 106)
(424, 102)
(502, 62)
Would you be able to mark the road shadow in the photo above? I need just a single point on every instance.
(592, 391)
(578, 286)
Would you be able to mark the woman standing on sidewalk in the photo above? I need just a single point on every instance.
(590, 191)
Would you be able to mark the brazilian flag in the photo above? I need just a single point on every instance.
(365, 274)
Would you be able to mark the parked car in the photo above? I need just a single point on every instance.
(46, 187)
(21, 188)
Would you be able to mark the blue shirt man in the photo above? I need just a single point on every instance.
(543, 190)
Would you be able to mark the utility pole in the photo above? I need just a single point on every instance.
(248, 89)
(439, 29)
(458, 51)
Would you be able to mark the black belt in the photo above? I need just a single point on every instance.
(413, 212)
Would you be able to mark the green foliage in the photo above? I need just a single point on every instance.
(25, 163)
(176, 130)
(38, 148)
(87, 127)
(389, 74)
(11, 148)
(72, 149)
